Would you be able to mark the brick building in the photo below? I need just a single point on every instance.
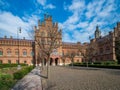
(29, 50)
(9, 50)
(103, 48)
(99, 49)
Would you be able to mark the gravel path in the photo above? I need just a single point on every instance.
(65, 78)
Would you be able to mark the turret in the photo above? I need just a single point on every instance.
(97, 32)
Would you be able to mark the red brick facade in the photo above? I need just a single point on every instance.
(9, 51)
(101, 48)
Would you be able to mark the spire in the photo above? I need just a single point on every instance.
(97, 27)
(97, 32)
(38, 22)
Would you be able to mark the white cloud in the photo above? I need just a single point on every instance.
(82, 24)
(42, 2)
(49, 6)
(85, 16)
(76, 5)
(78, 36)
(67, 37)
(11, 23)
(46, 5)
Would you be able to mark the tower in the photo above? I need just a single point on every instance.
(97, 32)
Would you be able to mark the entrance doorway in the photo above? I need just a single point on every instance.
(51, 61)
(56, 61)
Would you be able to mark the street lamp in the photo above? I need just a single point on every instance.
(18, 31)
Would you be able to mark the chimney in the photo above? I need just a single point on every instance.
(5, 36)
(38, 22)
(10, 37)
(23, 38)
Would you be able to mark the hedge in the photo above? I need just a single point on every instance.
(10, 65)
(6, 81)
(22, 72)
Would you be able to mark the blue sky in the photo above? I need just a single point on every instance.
(77, 18)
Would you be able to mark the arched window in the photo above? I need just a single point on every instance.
(16, 51)
(107, 48)
(24, 52)
(101, 50)
(9, 52)
(1, 52)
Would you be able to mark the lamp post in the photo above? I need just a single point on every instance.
(18, 31)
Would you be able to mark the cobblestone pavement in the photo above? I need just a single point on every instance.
(32, 81)
(65, 78)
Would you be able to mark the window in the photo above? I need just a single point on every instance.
(1, 52)
(9, 61)
(8, 52)
(32, 53)
(16, 51)
(107, 48)
(101, 50)
(24, 52)
(1, 62)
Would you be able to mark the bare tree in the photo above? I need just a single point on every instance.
(47, 45)
(64, 56)
(71, 55)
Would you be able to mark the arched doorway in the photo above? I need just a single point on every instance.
(56, 61)
(51, 61)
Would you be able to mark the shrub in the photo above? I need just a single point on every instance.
(97, 63)
(10, 65)
(6, 81)
(21, 73)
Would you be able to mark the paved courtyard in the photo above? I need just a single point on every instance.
(66, 78)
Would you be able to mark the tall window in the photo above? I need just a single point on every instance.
(24, 52)
(1, 62)
(1, 52)
(9, 52)
(16, 51)
(107, 48)
(101, 50)
(31, 53)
